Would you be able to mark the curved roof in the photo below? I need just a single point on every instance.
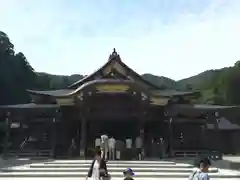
(88, 85)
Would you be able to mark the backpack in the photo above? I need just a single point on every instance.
(194, 176)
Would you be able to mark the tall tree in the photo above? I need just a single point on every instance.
(16, 74)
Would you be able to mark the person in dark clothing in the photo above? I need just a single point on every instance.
(98, 169)
(128, 174)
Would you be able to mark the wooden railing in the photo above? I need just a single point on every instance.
(22, 145)
(197, 153)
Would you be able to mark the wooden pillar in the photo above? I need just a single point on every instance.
(22, 135)
(203, 136)
(218, 134)
(54, 137)
(83, 136)
(7, 134)
(142, 135)
(170, 129)
(216, 140)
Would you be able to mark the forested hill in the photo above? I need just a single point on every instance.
(16, 75)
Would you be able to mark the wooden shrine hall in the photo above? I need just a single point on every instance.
(114, 100)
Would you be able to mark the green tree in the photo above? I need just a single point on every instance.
(16, 74)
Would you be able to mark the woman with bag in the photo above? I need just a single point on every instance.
(98, 168)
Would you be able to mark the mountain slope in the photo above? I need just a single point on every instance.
(195, 82)
(160, 81)
(199, 81)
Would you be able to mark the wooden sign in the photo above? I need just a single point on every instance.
(159, 101)
(112, 88)
(65, 101)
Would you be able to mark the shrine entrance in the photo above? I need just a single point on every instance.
(119, 129)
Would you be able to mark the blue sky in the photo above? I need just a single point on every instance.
(172, 38)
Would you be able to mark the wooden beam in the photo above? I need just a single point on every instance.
(65, 101)
(160, 101)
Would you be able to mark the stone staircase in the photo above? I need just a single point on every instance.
(77, 169)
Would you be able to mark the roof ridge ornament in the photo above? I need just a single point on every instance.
(114, 55)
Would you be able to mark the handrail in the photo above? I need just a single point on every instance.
(24, 143)
(70, 150)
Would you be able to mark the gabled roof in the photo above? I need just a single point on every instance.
(114, 60)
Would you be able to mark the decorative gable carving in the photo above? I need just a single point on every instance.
(114, 65)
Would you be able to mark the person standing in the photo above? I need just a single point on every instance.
(162, 148)
(111, 145)
(104, 146)
(98, 169)
(128, 143)
(129, 148)
(139, 145)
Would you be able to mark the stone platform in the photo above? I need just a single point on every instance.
(77, 169)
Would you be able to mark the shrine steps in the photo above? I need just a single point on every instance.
(70, 169)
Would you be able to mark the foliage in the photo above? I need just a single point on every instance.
(16, 74)
(160, 81)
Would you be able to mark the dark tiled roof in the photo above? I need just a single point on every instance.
(176, 93)
(60, 92)
(29, 106)
(206, 106)
(201, 106)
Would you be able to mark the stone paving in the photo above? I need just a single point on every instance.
(77, 169)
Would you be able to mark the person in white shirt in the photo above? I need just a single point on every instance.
(111, 145)
(139, 144)
(104, 145)
(129, 149)
(97, 142)
(128, 143)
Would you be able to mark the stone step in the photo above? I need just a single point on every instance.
(113, 174)
(110, 169)
(108, 162)
(56, 165)
(117, 178)
(60, 169)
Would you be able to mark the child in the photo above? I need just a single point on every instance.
(201, 174)
(128, 174)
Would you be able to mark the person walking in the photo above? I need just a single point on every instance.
(98, 169)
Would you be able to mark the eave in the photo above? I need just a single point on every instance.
(200, 109)
(88, 85)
